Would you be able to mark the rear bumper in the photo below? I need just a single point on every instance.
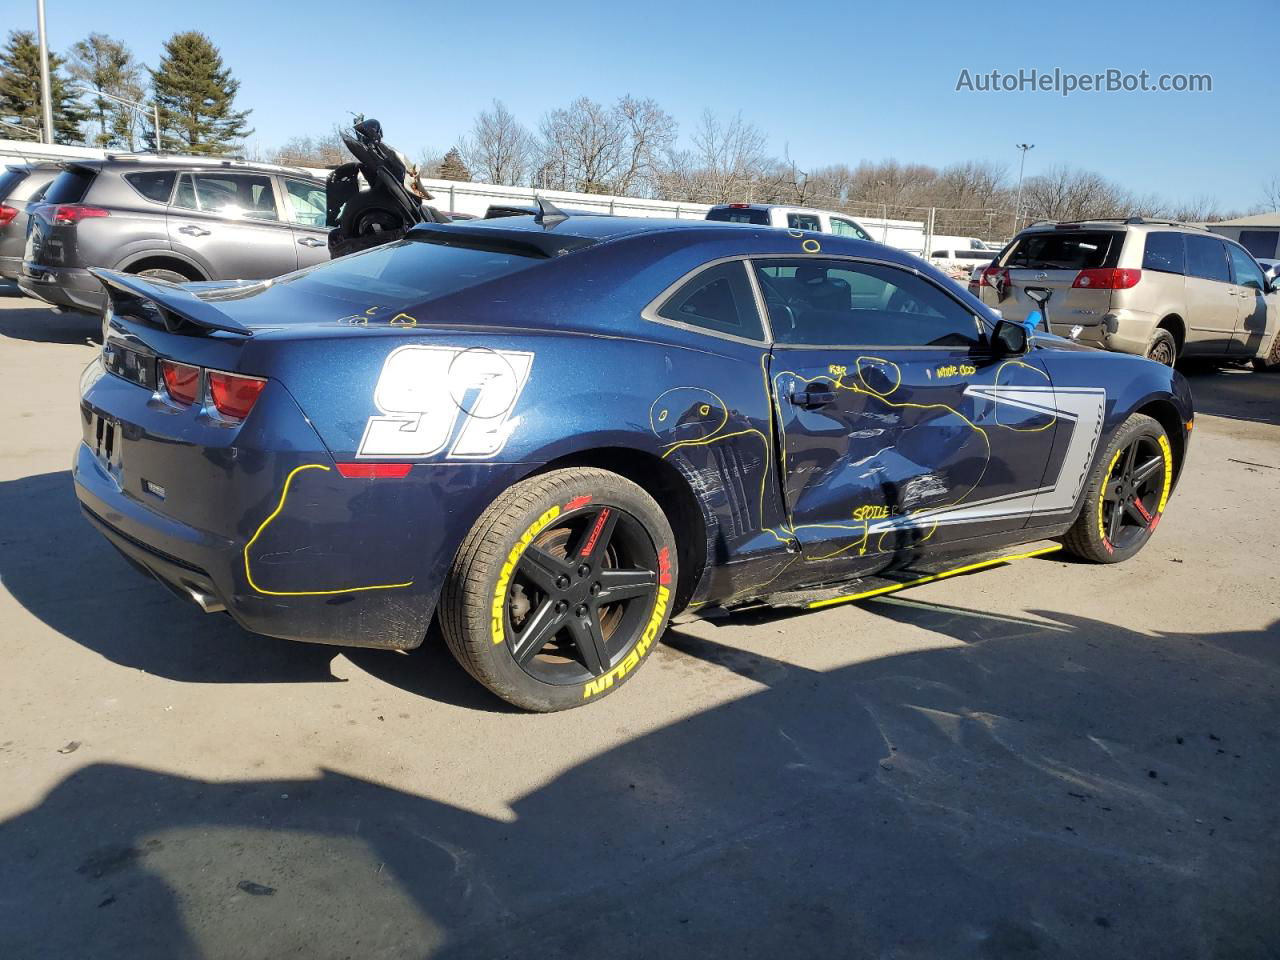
(1124, 331)
(257, 522)
(70, 287)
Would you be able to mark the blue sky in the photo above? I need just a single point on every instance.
(828, 81)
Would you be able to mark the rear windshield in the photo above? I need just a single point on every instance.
(69, 186)
(10, 179)
(1066, 250)
(739, 215)
(410, 271)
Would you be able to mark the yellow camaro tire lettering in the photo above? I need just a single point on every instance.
(498, 611)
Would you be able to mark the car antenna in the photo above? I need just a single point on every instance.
(549, 215)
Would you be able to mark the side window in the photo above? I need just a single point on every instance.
(1247, 272)
(804, 221)
(719, 299)
(306, 202)
(237, 195)
(1207, 258)
(1164, 252)
(155, 185)
(847, 228)
(817, 302)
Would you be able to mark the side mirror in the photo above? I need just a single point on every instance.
(1010, 339)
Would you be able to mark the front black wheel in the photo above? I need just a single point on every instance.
(1126, 494)
(561, 589)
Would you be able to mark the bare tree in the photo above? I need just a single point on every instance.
(728, 162)
(326, 150)
(1271, 194)
(499, 148)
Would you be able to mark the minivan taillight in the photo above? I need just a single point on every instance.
(75, 212)
(181, 380)
(233, 395)
(1107, 278)
(7, 213)
(991, 275)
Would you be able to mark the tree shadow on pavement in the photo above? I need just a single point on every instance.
(1052, 786)
(38, 323)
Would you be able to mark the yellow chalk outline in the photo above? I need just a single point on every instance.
(968, 568)
(248, 573)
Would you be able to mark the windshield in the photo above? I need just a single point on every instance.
(69, 186)
(10, 179)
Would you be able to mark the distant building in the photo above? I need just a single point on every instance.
(1259, 234)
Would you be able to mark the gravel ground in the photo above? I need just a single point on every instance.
(1044, 760)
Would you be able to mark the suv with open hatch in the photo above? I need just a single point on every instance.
(21, 185)
(1158, 288)
(170, 218)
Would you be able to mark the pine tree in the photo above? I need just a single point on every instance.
(196, 95)
(20, 89)
(106, 64)
(452, 167)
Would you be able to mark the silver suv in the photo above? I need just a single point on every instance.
(171, 218)
(1160, 289)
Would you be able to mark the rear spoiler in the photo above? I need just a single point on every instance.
(177, 307)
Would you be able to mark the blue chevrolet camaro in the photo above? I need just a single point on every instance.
(552, 435)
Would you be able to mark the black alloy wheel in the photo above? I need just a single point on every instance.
(580, 595)
(1131, 494)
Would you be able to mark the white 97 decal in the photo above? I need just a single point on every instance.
(424, 393)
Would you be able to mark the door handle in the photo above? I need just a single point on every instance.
(191, 230)
(311, 242)
(813, 398)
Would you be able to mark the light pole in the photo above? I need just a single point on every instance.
(46, 98)
(1022, 165)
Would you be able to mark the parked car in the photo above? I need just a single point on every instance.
(21, 185)
(791, 218)
(1157, 288)
(552, 434)
(170, 218)
(959, 263)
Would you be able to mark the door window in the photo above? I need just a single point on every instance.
(847, 228)
(1207, 258)
(830, 302)
(804, 221)
(719, 300)
(306, 201)
(1247, 272)
(236, 195)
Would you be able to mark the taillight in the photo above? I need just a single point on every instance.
(990, 275)
(75, 212)
(7, 213)
(233, 395)
(181, 380)
(1107, 278)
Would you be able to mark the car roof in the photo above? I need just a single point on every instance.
(143, 160)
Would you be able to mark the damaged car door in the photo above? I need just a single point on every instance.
(902, 425)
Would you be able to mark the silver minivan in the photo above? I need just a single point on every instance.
(170, 218)
(1160, 289)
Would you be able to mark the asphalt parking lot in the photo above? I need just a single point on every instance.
(1044, 760)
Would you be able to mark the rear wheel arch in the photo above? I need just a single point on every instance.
(1175, 325)
(165, 261)
(663, 481)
